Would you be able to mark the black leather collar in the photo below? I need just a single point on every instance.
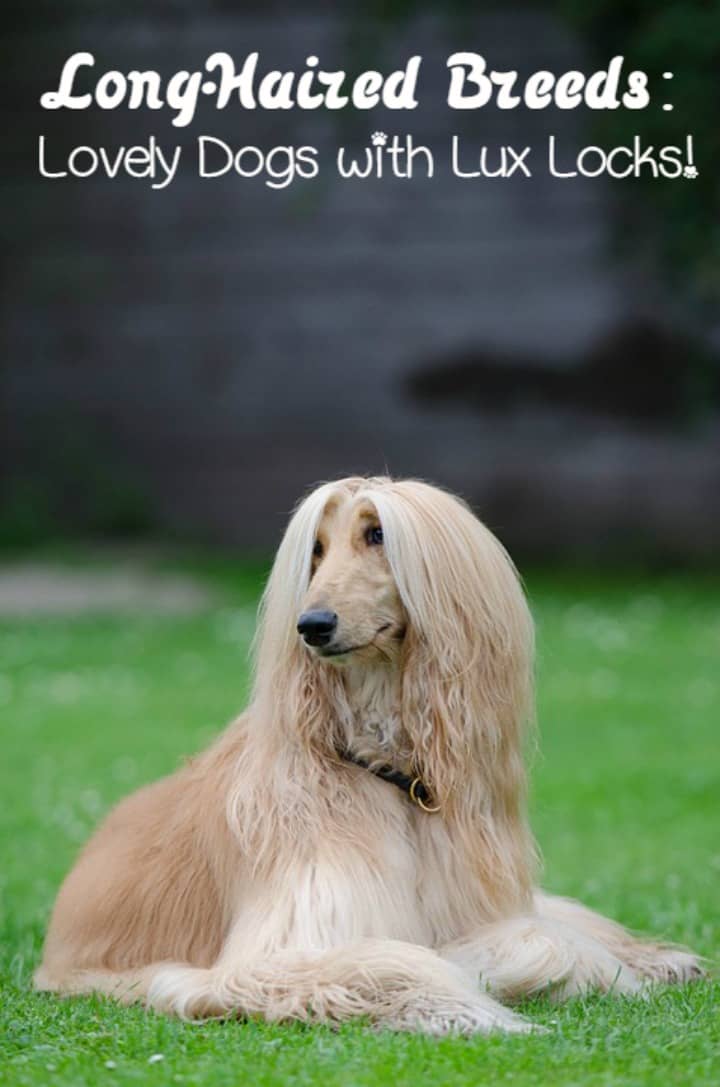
(413, 787)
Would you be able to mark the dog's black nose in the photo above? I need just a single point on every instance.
(317, 627)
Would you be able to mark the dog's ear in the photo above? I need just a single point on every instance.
(467, 691)
(296, 695)
(308, 703)
(465, 705)
(464, 709)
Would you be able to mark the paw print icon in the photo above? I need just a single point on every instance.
(690, 172)
(379, 139)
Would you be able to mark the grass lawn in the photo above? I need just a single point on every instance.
(626, 806)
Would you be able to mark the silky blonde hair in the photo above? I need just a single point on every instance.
(467, 669)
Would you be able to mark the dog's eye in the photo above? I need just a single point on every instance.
(317, 550)
(374, 536)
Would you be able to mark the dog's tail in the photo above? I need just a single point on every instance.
(650, 959)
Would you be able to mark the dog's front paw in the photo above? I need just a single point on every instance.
(673, 966)
(185, 991)
(456, 1017)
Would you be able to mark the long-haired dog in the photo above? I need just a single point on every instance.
(356, 843)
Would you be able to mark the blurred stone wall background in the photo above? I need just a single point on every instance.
(189, 361)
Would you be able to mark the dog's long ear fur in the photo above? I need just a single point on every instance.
(467, 678)
(299, 699)
(293, 709)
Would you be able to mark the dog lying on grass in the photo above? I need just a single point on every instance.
(356, 842)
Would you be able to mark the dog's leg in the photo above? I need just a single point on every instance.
(396, 986)
(527, 955)
(655, 961)
(125, 986)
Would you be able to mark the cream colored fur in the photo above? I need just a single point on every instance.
(272, 878)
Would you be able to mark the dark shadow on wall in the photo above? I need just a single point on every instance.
(640, 373)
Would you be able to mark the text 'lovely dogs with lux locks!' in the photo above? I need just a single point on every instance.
(471, 86)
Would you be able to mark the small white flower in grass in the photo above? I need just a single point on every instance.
(156, 1058)
(111, 1064)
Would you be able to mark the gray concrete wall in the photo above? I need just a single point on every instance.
(226, 345)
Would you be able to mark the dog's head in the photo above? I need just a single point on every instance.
(399, 573)
(352, 607)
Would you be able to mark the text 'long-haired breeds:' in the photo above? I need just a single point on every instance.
(356, 842)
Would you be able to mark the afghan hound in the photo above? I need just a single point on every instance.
(356, 842)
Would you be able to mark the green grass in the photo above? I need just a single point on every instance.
(626, 805)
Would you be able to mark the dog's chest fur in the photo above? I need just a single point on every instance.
(372, 722)
(381, 880)
(417, 845)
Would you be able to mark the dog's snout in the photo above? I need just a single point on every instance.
(317, 627)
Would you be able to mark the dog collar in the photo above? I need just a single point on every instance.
(413, 787)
